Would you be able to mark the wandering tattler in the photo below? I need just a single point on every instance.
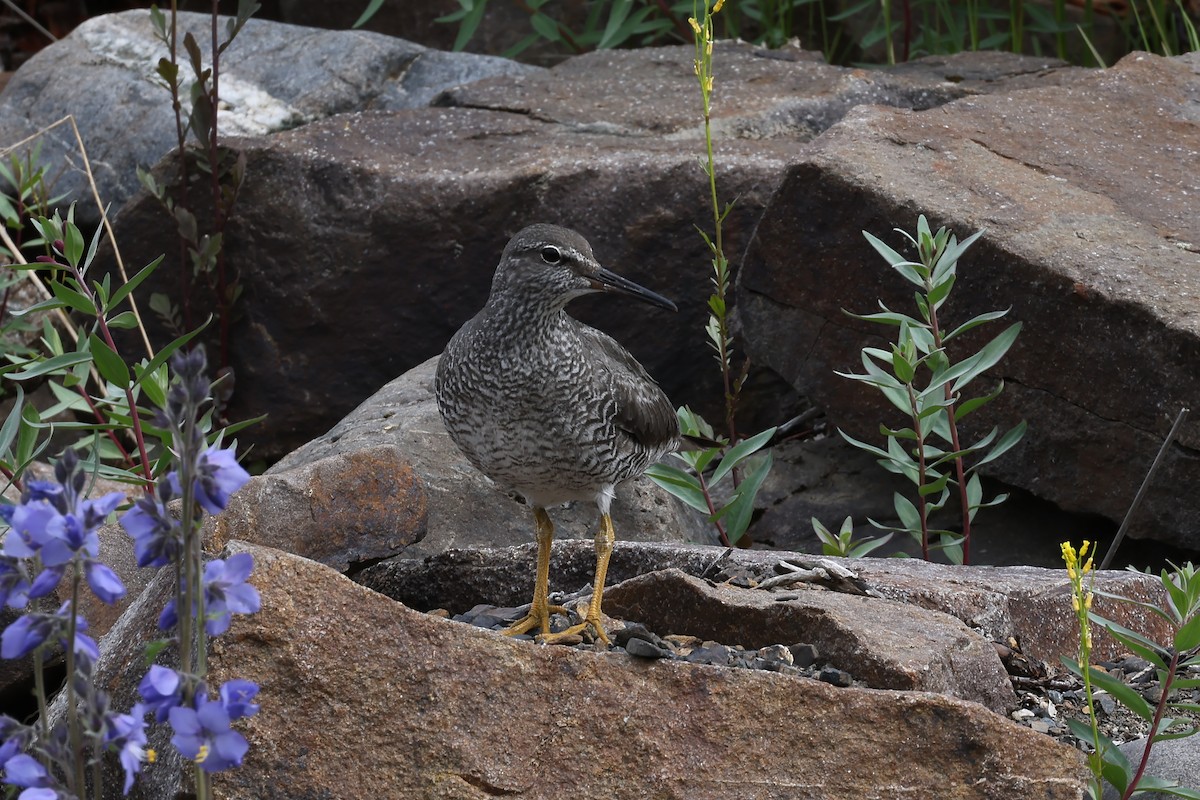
(550, 407)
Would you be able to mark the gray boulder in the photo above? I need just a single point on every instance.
(1092, 230)
(274, 77)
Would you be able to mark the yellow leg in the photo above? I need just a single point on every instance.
(540, 609)
(604, 548)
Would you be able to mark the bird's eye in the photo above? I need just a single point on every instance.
(551, 255)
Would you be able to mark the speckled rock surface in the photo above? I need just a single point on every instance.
(1092, 240)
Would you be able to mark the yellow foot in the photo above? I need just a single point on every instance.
(592, 622)
(534, 620)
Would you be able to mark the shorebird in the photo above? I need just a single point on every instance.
(549, 407)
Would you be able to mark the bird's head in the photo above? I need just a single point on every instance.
(556, 265)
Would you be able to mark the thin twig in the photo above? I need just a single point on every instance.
(1137, 499)
(21, 13)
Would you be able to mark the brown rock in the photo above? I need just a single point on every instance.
(462, 508)
(364, 698)
(409, 211)
(340, 510)
(887, 645)
(1029, 604)
(1091, 241)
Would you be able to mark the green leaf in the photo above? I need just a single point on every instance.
(987, 357)
(938, 294)
(12, 423)
(866, 546)
(967, 406)
(738, 452)
(110, 365)
(907, 512)
(126, 320)
(133, 283)
(546, 27)
(618, 12)
(974, 322)
(1123, 693)
(72, 244)
(72, 298)
(367, 13)
(738, 513)
(165, 353)
(55, 364)
(679, 483)
(1189, 635)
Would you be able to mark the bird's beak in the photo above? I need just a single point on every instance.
(605, 281)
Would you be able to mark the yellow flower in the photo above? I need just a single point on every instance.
(708, 86)
(202, 754)
(708, 49)
(1075, 603)
(695, 25)
(1087, 567)
(1083, 550)
(1087, 601)
(717, 7)
(151, 755)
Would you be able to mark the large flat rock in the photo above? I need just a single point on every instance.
(364, 698)
(1088, 192)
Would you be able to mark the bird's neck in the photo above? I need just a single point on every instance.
(523, 315)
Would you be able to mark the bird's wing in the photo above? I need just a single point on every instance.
(643, 410)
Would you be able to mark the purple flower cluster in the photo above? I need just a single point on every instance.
(53, 534)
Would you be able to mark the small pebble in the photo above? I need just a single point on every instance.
(836, 677)
(1040, 725)
(776, 654)
(1054, 696)
(645, 649)
(717, 654)
(1022, 714)
(804, 655)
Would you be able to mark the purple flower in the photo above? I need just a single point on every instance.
(104, 582)
(218, 475)
(161, 690)
(236, 695)
(156, 536)
(24, 770)
(32, 629)
(14, 583)
(23, 636)
(225, 592)
(203, 734)
(128, 732)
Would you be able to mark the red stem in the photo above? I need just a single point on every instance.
(959, 469)
(1159, 710)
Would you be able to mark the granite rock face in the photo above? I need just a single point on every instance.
(273, 78)
(1087, 192)
(432, 708)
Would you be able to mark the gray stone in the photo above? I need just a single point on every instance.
(396, 221)
(1172, 760)
(458, 506)
(884, 644)
(273, 78)
(1029, 604)
(1091, 240)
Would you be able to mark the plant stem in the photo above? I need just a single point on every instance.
(955, 446)
(712, 509)
(1159, 711)
(185, 288)
(74, 734)
(922, 508)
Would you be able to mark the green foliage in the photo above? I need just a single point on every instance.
(696, 484)
(206, 275)
(1182, 615)
(843, 543)
(903, 30)
(918, 377)
(693, 488)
